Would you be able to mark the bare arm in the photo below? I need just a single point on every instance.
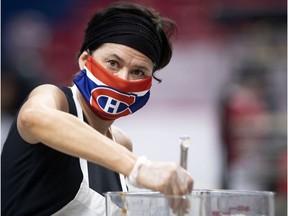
(44, 118)
(122, 138)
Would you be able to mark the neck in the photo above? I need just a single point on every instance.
(94, 120)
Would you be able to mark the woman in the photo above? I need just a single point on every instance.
(62, 152)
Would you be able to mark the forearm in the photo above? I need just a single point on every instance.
(66, 133)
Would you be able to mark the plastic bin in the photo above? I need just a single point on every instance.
(198, 203)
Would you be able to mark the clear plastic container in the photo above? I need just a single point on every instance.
(198, 203)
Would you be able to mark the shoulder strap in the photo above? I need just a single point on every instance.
(72, 107)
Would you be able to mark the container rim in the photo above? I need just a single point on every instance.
(195, 193)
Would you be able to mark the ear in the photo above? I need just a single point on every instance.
(82, 59)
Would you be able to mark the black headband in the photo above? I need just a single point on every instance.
(125, 28)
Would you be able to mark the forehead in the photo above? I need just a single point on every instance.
(126, 53)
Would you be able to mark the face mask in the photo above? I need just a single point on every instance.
(109, 96)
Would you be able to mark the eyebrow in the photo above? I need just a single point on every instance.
(122, 60)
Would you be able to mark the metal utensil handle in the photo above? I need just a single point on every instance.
(184, 145)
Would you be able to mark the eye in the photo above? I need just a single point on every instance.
(112, 64)
(139, 74)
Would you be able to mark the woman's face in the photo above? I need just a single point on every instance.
(123, 61)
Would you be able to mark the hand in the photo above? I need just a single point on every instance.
(167, 178)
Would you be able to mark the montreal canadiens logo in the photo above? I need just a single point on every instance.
(105, 99)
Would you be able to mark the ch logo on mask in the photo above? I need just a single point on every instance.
(111, 102)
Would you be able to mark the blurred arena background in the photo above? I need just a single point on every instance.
(226, 85)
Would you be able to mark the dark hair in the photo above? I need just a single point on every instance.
(163, 27)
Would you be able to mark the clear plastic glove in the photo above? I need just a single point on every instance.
(167, 178)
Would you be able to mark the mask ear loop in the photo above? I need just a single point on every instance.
(89, 52)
